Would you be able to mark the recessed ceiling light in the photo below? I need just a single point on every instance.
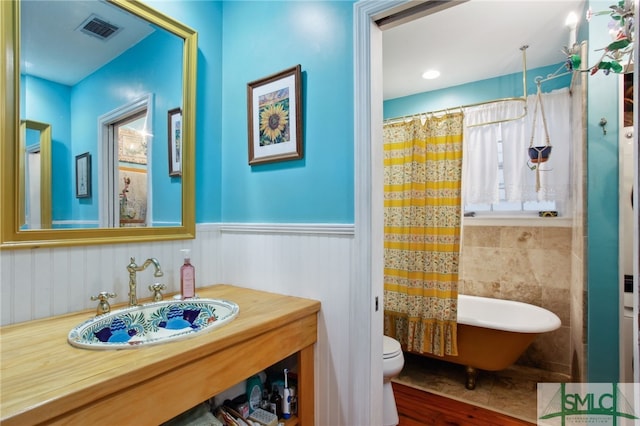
(431, 74)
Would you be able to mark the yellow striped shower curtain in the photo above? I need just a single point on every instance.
(422, 209)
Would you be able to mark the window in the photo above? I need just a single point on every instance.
(504, 206)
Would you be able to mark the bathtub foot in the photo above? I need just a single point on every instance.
(472, 373)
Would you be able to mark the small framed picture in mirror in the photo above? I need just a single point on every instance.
(175, 142)
(83, 175)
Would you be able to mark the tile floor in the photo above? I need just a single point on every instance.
(511, 391)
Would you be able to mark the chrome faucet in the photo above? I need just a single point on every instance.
(133, 268)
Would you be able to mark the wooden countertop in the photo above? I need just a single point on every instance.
(43, 378)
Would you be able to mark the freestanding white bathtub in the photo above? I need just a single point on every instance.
(493, 333)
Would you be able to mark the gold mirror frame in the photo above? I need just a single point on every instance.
(10, 234)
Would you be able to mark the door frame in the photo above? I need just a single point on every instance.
(108, 193)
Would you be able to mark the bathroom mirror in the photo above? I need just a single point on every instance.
(133, 90)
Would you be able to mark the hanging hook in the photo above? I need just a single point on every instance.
(603, 124)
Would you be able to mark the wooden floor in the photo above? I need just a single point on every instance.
(419, 408)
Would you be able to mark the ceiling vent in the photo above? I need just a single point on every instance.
(99, 28)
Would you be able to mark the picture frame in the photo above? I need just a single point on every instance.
(83, 175)
(274, 109)
(174, 138)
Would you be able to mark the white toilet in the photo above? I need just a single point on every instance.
(392, 364)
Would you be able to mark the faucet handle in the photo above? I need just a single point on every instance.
(157, 291)
(103, 305)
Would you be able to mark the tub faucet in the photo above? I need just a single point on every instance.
(133, 269)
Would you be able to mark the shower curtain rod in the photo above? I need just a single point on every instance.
(522, 99)
(574, 72)
(461, 109)
(539, 80)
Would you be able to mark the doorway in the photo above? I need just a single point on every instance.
(32, 184)
(130, 169)
(124, 165)
(627, 213)
(368, 286)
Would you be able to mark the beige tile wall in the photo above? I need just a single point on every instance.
(527, 264)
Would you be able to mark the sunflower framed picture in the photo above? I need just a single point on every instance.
(274, 110)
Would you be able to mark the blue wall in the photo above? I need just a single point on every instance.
(263, 38)
(256, 39)
(50, 102)
(206, 18)
(602, 212)
(317, 35)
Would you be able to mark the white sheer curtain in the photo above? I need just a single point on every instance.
(480, 169)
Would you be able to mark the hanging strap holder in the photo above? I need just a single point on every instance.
(539, 154)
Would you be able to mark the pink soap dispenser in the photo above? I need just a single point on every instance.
(187, 276)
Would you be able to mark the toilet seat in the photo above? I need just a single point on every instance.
(391, 347)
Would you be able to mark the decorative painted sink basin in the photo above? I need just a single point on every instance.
(152, 324)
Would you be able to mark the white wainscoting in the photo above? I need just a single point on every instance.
(305, 260)
(311, 261)
(42, 282)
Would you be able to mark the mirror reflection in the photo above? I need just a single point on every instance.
(132, 170)
(35, 175)
(104, 81)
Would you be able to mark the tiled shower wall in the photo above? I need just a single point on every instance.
(529, 264)
(541, 265)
